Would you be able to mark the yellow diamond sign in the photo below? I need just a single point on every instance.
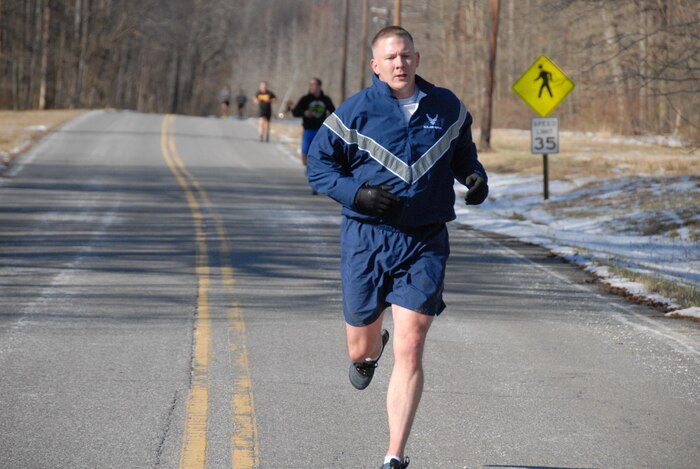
(543, 86)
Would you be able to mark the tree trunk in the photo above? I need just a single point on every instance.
(344, 50)
(642, 94)
(30, 102)
(397, 12)
(365, 42)
(46, 26)
(82, 12)
(617, 76)
(176, 85)
(492, 38)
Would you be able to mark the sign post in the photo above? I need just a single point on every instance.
(543, 86)
(544, 132)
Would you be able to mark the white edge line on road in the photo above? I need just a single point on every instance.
(282, 148)
(654, 327)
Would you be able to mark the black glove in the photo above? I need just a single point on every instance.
(478, 189)
(376, 200)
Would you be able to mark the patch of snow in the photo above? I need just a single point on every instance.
(37, 128)
(645, 140)
(516, 208)
(693, 312)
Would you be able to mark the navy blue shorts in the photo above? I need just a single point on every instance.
(382, 265)
(306, 139)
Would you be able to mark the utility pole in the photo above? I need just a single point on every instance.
(365, 40)
(397, 12)
(492, 39)
(344, 50)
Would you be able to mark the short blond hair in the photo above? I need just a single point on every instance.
(392, 31)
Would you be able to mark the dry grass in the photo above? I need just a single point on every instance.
(686, 296)
(587, 156)
(20, 128)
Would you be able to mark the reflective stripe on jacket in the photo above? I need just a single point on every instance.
(367, 141)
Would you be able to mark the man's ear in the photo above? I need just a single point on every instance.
(373, 64)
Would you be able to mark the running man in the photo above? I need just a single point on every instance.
(225, 98)
(313, 108)
(389, 155)
(264, 99)
(240, 102)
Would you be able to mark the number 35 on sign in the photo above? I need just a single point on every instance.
(545, 135)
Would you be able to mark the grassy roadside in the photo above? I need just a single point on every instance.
(588, 156)
(21, 129)
(643, 189)
(684, 295)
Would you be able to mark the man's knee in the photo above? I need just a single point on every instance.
(364, 342)
(408, 349)
(358, 353)
(410, 333)
(361, 348)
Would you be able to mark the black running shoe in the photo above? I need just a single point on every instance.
(361, 373)
(396, 464)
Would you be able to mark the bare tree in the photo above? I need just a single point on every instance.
(344, 50)
(492, 36)
(46, 27)
(636, 63)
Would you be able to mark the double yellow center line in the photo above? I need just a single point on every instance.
(244, 440)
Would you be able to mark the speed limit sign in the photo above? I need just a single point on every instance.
(545, 135)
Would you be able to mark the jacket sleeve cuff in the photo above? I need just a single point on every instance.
(345, 192)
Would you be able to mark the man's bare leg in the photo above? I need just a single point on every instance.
(261, 128)
(406, 383)
(364, 341)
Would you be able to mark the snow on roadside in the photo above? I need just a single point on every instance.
(7, 156)
(516, 208)
(643, 140)
(693, 312)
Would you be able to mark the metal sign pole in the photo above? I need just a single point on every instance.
(545, 163)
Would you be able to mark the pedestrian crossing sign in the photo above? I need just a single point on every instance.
(543, 86)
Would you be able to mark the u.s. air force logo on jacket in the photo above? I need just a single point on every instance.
(367, 140)
(433, 122)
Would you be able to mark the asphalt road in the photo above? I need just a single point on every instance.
(169, 297)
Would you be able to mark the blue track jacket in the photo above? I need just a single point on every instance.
(367, 140)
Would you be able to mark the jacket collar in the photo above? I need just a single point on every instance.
(383, 89)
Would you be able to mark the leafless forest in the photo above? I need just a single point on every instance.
(636, 63)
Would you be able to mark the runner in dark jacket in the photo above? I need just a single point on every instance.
(313, 108)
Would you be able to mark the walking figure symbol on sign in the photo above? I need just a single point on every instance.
(545, 76)
(543, 86)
